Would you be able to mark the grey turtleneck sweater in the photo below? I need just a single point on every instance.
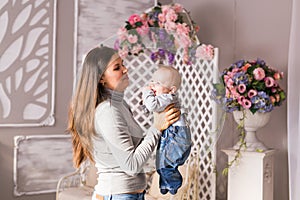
(120, 149)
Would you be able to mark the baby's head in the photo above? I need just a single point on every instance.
(165, 80)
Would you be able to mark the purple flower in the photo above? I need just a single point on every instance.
(262, 102)
(240, 63)
(117, 44)
(161, 53)
(260, 62)
(171, 57)
(154, 56)
(240, 78)
(162, 34)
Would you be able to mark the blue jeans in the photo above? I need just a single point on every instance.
(173, 149)
(139, 196)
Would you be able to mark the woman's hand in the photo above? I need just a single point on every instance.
(164, 119)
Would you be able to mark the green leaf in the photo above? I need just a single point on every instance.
(253, 110)
(225, 171)
(282, 95)
(259, 150)
(220, 89)
(138, 24)
(128, 26)
(251, 69)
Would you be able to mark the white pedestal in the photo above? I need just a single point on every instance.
(252, 177)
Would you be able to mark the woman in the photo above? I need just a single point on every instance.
(104, 131)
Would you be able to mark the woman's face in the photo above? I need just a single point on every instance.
(115, 76)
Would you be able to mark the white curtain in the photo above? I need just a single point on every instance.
(294, 104)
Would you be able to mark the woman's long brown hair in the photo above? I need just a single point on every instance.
(88, 94)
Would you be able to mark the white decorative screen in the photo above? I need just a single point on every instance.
(195, 96)
(27, 62)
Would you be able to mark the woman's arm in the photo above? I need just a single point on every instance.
(112, 124)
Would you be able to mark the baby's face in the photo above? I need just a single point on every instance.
(159, 88)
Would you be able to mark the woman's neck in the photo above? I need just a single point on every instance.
(116, 95)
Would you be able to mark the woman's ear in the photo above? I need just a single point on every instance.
(101, 81)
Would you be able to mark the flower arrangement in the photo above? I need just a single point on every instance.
(162, 30)
(249, 85)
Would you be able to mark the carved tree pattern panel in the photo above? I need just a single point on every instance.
(27, 60)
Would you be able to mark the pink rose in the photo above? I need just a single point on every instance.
(144, 16)
(132, 38)
(259, 73)
(269, 82)
(161, 17)
(205, 52)
(122, 33)
(136, 49)
(228, 81)
(226, 78)
(277, 96)
(171, 16)
(246, 103)
(123, 53)
(182, 29)
(277, 76)
(242, 88)
(178, 8)
(235, 70)
(273, 100)
(165, 9)
(234, 93)
(184, 41)
(133, 19)
(241, 99)
(170, 26)
(252, 93)
(143, 30)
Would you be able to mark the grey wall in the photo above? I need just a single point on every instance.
(240, 28)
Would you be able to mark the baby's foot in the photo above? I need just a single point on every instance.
(174, 191)
(164, 191)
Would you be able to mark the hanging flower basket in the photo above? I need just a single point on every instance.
(162, 31)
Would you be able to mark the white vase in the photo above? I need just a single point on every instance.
(252, 123)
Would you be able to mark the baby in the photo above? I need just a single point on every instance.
(175, 143)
